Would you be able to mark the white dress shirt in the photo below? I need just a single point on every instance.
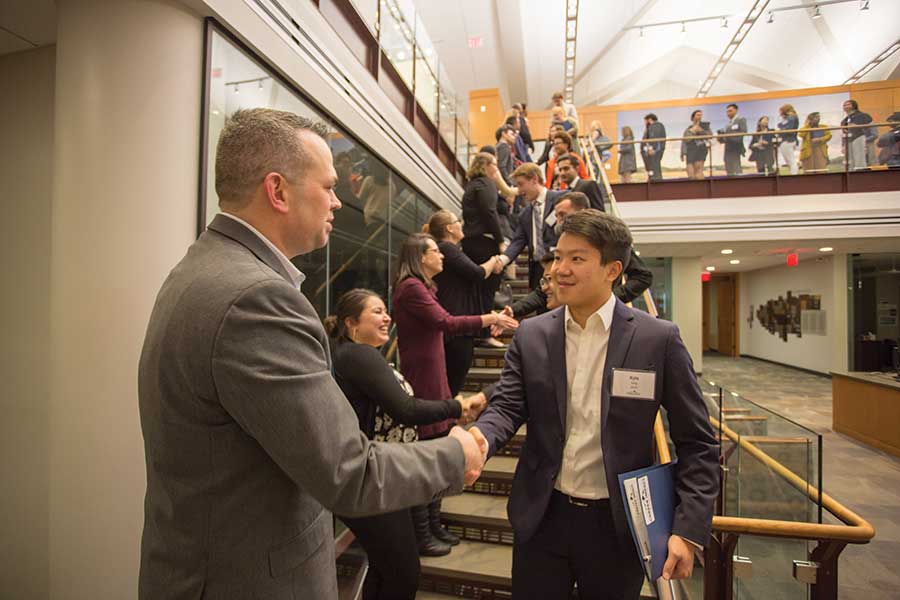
(293, 272)
(583, 474)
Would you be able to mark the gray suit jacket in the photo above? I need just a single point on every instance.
(249, 441)
(532, 389)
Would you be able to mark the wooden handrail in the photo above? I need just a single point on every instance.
(855, 530)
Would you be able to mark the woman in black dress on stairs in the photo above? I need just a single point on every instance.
(387, 411)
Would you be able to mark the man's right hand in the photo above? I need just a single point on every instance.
(480, 440)
(473, 453)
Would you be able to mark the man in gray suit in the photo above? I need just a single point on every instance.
(589, 379)
(249, 441)
(734, 146)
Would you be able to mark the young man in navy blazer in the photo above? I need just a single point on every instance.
(564, 376)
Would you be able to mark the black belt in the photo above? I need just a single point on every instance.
(580, 502)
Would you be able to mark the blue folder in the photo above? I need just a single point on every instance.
(651, 493)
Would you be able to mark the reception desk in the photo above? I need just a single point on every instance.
(867, 407)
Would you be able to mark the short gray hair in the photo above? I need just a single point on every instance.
(257, 141)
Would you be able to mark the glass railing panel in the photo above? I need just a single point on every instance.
(426, 87)
(772, 574)
(396, 39)
(462, 144)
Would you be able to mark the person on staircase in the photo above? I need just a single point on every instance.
(569, 175)
(387, 411)
(565, 508)
(534, 232)
(422, 324)
(481, 226)
(457, 291)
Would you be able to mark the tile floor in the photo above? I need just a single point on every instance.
(864, 479)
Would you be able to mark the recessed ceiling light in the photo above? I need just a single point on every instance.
(727, 251)
(734, 261)
(826, 249)
(710, 268)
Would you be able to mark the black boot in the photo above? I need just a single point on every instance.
(438, 530)
(428, 544)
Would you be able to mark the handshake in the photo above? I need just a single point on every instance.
(475, 449)
(493, 265)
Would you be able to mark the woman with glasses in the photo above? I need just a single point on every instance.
(422, 324)
(457, 291)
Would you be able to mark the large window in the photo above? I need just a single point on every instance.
(379, 208)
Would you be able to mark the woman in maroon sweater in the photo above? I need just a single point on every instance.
(421, 325)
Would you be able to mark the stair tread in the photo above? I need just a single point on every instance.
(485, 507)
(484, 352)
(501, 465)
(477, 560)
(482, 372)
(487, 562)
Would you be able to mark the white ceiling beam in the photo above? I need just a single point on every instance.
(740, 35)
(831, 43)
(511, 48)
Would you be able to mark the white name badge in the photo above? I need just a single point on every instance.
(551, 219)
(639, 385)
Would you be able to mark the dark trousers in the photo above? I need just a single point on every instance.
(653, 164)
(535, 272)
(390, 544)
(458, 353)
(576, 544)
(479, 249)
(733, 161)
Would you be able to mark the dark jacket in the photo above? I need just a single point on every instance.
(421, 326)
(505, 161)
(532, 389)
(595, 193)
(522, 238)
(368, 381)
(457, 284)
(856, 118)
(479, 209)
(654, 131)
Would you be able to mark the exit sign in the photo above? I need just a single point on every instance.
(475, 41)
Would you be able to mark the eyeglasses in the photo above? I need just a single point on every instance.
(545, 281)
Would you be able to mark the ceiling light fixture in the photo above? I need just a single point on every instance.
(864, 5)
(237, 90)
(710, 268)
(826, 249)
(641, 30)
(724, 23)
(734, 261)
(818, 13)
(683, 27)
(727, 251)
(771, 18)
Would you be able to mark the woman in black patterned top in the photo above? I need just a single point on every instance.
(387, 411)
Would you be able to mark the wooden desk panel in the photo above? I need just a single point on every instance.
(866, 411)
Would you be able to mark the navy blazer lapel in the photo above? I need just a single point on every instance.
(556, 344)
(237, 232)
(620, 336)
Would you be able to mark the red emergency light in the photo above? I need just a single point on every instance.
(705, 276)
(792, 259)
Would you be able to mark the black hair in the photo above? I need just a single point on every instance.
(349, 306)
(503, 129)
(606, 233)
(694, 113)
(732, 105)
(651, 116)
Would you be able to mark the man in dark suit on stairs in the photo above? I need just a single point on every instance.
(535, 229)
(564, 376)
(568, 172)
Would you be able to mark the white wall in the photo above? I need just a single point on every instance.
(687, 305)
(826, 277)
(127, 133)
(25, 190)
